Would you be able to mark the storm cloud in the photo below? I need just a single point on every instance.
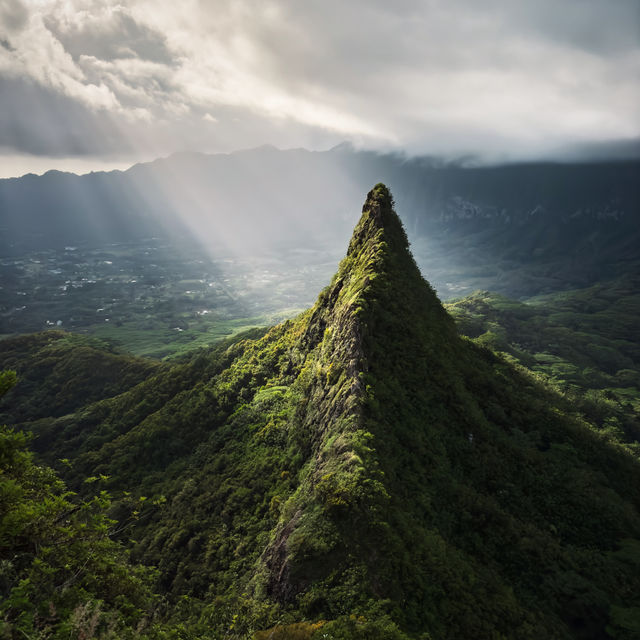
(502, 78)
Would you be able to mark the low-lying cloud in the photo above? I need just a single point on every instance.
(508, 78)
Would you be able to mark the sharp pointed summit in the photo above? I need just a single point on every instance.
(379, 217)
(379, 278)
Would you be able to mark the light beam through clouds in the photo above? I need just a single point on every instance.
(134, 79)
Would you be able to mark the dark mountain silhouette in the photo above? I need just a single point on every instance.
(569, 224)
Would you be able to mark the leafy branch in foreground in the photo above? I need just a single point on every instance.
(61, 573)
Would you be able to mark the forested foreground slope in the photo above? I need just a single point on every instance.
(362, 471)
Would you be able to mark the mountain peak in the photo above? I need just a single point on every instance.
(379, 218)
(379, 195)
(378, 254)
(379, 272)
(378, 278)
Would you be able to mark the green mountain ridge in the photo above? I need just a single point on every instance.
(581, 341)
(364, 465)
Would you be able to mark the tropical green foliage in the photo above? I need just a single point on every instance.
(360, 471)
(63, 575)
(61, 372)
(583, 342)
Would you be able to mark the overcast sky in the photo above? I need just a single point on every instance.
(86, 84)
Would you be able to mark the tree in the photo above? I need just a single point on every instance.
(61, 573)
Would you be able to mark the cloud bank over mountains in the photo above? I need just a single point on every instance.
(499, 78)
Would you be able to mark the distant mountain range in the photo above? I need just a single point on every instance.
(519, 229)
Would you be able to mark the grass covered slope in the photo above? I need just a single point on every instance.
(364, 460)
(60, 372)
(584, 342)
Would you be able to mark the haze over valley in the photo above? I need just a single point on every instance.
(254, 235)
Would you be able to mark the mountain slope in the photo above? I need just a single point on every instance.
(363, 459)
(584, 342)
(62, 372)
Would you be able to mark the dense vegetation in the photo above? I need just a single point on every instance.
(585, 343)
(361, 471)
(61, 372)
(63, 576)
